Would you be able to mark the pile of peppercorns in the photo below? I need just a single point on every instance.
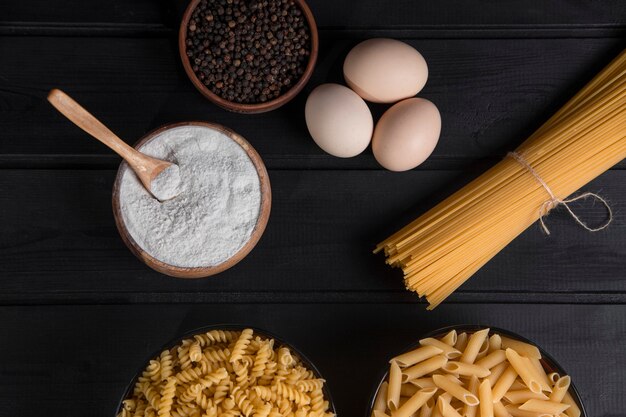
(248, 51)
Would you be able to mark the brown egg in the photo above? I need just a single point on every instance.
(406, 134)
(385, 70)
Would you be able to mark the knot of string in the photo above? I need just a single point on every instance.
(555, 201)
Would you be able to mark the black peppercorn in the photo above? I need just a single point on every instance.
(248, 53)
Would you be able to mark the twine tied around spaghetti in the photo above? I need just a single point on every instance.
(555, 201)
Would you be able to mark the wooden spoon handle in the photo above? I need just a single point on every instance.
(86, 121)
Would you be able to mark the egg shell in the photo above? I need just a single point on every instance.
(338, 120)
(406, 134)
(385, 70)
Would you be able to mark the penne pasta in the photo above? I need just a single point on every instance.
(499, 410)
(450, 338)
(574, 410)
(393, 390)
(559, 389)
(420, 369)
(517, 385)
(449, 352)
(495, 343)
(483, 351)
(523, 348)
(445, 409)
(524, 369)
(544, 407)
(486, 399)
(380, 403)
(426, 410)
(541, 374)
(408, 390)
(472, 386)
(422, 382)
(461, 341)
(415, 402)
(523, 395)
(553, 377)
(492, 359)
(416, 355)
(504, 383)
(514, 411)
(378, 413)
(474, 344)
(466, 369)
(455, 390)
(496, 373)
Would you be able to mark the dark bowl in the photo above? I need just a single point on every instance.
(548, 362)
(250, 107)
(236, 327)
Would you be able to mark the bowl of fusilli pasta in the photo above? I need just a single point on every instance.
(227, 371)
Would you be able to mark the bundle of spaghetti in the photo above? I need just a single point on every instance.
(444, 247)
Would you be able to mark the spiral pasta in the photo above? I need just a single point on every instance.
(226, 374)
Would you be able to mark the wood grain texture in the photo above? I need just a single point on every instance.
(344, 14)
(78, 359)
(59, 238)
(491, 93)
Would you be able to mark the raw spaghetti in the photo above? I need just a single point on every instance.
(443, 248)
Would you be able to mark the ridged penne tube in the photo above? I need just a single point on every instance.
(450, 338)
(485, 397)
(415, 402)
(445, 409)
(492, 359)
(461, 341)
(521, 396)
(393, 390)
(420, 369)
(417, 355)
(524, 369)
(472, 386)
(542, 406)
(559, 389)
(517, 385)
(503, 384)
(520, 347)
(466, 369)
(496, 373)
(380, 403)
(448, 351)
(574, 410)
(499, 410)
(483, 351)
(514, 411)
(455, 390)
(474, 344)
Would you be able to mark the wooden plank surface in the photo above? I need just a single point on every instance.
(59, 241)
(492, 94)
(78, 359)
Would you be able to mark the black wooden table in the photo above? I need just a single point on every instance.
(79, 313)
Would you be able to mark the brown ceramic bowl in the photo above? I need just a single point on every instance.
(256, 107)
(198, 272)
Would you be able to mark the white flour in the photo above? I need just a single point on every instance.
(217, 207)
(165, 185)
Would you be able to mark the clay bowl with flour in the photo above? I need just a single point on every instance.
(197, 271)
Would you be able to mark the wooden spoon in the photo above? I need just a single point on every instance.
(146, 167)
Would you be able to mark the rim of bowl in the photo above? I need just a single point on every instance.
(237, 327)
(250, 107)
(547, 361)
(202, 271)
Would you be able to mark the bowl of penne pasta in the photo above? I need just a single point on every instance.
(227, 371)
(474, 371)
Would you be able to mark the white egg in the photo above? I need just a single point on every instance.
(406, 134)
(338, 120)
